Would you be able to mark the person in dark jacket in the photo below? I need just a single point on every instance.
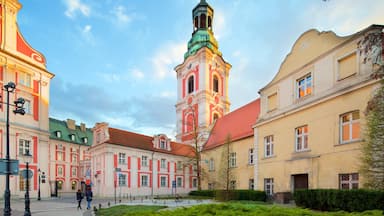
(89, 195)
(79, 197)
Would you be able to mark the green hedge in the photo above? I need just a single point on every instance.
(207, 193)
(231, 194)
(347, 200)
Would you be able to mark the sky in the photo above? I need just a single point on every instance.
(114, 60)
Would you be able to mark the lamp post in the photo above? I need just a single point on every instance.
(27, 159)
(38, 192)
(10, 87)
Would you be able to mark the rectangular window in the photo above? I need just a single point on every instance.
(268, 146)
(122, 179)
(24, 79)
(60, 171)
(121, 158)
(350, 127)
(272, 102)
(232, 159)
(163, 144)
(24, 146)
(211, 186)
(144, 180)
(349, 181)
(163, 163)
(304, 86)
(347, 66)
(74, 171)
(179, 182)
(194, 182)
(251, 184)
(301, 137)
(268, 186)
(144, 161)
(27, 107)
(60, 155)
(179, 165)
(251, 156)
(211, 165)
(74, 158)
(163, 181)
(232, 185)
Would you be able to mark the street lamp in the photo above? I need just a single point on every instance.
(38, 192)
(27, 160)
(10, 87)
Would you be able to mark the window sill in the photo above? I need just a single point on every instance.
(301, 151)
(349, 142)
(268, 157)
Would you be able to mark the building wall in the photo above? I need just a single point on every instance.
(331, 96)
(105, 160)
(241, 173)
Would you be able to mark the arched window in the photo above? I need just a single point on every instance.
(74, 185)
(215, 117)
(215, 84)
(203, 21)
(196, 23)
(60, 185)
(191, 84)
(189, 123)
(210, 22)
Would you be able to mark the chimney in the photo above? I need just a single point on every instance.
(71, 124)
(82, 127)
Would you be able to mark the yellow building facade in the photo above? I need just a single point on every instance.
(311, 123)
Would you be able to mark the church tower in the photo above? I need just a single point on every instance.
(202, 80)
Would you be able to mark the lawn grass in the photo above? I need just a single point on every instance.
(224, 209)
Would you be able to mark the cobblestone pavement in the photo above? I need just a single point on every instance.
(67, 206)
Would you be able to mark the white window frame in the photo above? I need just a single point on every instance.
(350, 182)
(144, 179)
(251, 184)
(307, 82)
(74, 171)
(163, 181)
(251, 156)
(350, 126)
(60, 170)
(232, 184)
(232, 160)
(27, 106)
(24, 145)
(122, 157)
(211, 164)
(163, 144)
(179, 182)
(179, 165)
(122, 179)
(303, 136)
(194, 84)
(268, 186)
(144, 161)
(268, 146)
(194, 182)
(25, 79)
(163, 163)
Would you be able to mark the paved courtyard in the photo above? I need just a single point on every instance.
(68, 205)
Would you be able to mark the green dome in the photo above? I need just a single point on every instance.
(202, 38)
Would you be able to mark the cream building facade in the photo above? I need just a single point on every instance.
(310, 129)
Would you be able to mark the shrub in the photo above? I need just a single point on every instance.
(347, 200)
(207, 193)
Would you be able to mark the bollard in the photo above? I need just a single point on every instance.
(99, 206)
(94, 209)
(119, 200)
(109, 204)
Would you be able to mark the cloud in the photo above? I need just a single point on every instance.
(167, 57)
(95, 103)
(138, 74)
(86, 33)
(121, 15)
(219, 25)
(74, 6)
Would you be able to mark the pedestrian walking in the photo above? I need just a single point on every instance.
(79, 198)
(89, 195)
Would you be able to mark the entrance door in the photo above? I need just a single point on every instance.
(300, 181)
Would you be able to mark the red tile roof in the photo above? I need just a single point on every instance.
(237, 124)
(134, 140)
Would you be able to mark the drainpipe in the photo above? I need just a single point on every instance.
(153, 176)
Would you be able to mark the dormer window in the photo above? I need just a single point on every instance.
(85, 140)
(58, 134)
(72, 137)
(163, 144)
